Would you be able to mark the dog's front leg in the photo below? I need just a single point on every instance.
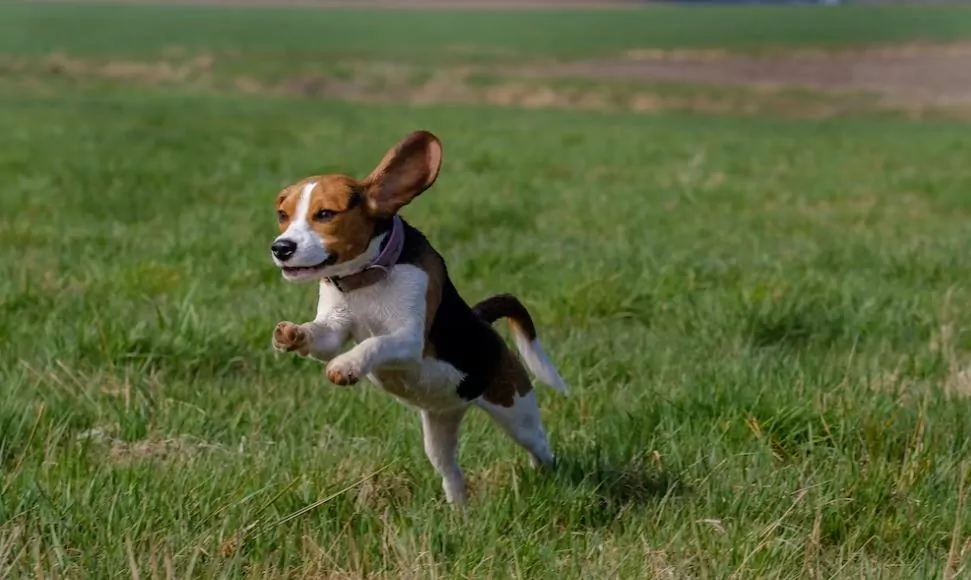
(319, 340)
(402, 346)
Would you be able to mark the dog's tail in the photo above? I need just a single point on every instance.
(524, 333)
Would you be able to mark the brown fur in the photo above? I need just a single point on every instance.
(510, 380)
(286, 202)
(349, 231)
(407, 170)
(434, 267)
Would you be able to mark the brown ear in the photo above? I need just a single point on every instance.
(407, 170)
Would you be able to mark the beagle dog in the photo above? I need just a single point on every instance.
(384, 287)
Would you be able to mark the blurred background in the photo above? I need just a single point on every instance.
(792, 60)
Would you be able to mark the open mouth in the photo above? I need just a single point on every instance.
(298, 271)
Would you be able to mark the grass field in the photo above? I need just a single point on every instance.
(764, 320)
(422, 35)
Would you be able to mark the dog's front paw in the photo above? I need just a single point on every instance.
(289, 337)
(344, 371)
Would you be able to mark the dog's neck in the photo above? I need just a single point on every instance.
(379, 268)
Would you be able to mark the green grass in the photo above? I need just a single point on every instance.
(764, 323)
(422, 36)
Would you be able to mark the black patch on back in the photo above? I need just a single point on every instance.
(415, 242)
(460, 337)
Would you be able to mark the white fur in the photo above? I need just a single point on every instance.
(330, 329)
(387, 321)
(441, 437)
(522, 422)
(535, 359)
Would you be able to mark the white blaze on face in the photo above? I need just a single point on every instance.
(310, 248)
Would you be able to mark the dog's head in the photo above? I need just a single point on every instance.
(332, 225)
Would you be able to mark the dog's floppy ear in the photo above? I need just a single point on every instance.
(408, 169)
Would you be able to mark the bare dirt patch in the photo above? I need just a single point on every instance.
(156, 448)
(902, 75)
(916, 80)
(391, 84)
(385, 82)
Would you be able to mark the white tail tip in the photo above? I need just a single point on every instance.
(535, 359)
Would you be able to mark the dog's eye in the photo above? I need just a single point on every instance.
(281, 215)
(323, 215)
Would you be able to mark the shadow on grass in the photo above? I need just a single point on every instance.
(615, 485)
(798, 322)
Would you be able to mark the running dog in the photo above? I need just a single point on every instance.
(384, 287)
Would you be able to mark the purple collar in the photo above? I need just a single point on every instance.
(381, 266)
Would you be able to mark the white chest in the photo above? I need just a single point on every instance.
(383, 309)
(375, 313)
(395, 308)
(394, 305)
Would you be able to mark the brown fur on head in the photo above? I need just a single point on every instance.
(330, 224)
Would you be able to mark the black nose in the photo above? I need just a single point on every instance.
(283, 249)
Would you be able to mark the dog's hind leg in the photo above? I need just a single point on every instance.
(441, 433)
(521, 421)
